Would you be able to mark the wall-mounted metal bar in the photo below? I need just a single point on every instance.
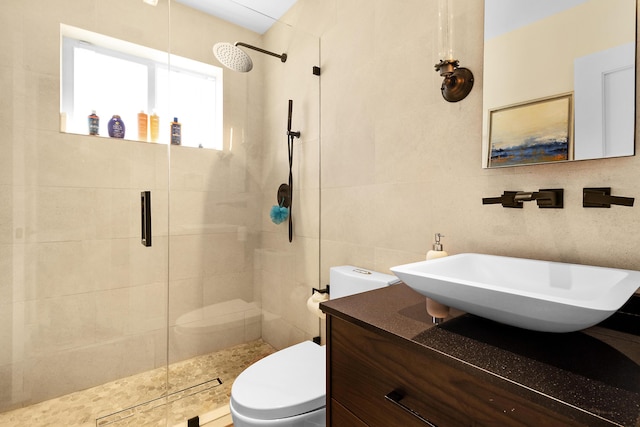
(282, 57)
(321, 291)
(145, 218)
(290, 136)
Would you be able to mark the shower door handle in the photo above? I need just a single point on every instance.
(145, 218)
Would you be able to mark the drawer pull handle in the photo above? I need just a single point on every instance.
(396, 396)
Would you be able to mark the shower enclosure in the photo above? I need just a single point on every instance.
(83, 301)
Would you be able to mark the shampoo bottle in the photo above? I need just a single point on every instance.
(154, 126)
(94, 123)
(176, 132)
(436, 310)
(116, 127)
(143, 120)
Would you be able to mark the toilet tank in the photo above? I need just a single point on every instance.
(348, 280)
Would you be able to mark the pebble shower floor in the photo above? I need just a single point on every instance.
(84, 407)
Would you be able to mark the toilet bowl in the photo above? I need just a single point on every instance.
(288, 387)
(265, 394)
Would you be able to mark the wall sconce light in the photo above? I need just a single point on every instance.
(151, 2)
(458, 81)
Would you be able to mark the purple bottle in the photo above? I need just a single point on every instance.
(116, 127)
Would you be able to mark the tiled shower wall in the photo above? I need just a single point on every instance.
(82, 302)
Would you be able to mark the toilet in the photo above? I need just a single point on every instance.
(288, 388)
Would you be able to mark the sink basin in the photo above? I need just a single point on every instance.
(537, 295)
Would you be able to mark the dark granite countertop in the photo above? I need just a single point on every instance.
(593, 374)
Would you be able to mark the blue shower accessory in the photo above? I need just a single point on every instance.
(280, 212)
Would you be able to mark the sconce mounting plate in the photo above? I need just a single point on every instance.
(456, 86)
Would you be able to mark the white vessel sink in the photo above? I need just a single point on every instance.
(538, 295)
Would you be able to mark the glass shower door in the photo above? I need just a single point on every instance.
(95, 324)
(83, 304)
(214, 308)
(222, 243)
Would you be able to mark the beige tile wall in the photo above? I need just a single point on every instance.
(289, 271)
(397, 165)
(82, 302)
(400, 164)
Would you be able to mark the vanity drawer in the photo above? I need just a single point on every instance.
(365, 367)
(341, 416)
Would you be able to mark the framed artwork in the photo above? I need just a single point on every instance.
(537, 131)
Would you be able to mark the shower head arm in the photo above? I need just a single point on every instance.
(282, 57)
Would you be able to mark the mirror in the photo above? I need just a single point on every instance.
(559, 81)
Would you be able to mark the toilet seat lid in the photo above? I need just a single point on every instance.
(284, 384)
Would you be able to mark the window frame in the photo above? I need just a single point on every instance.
(152, 59)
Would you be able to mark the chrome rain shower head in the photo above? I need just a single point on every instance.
(234, 58)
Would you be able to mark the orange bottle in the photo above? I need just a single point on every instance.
(142, 126)
(154, 124)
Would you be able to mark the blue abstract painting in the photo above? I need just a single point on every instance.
(533, 132)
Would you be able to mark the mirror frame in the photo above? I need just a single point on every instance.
(500, 93)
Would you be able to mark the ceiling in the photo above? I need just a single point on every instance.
(255, 15)
(503, 16)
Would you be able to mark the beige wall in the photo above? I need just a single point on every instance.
(540, 56)
(400, 164)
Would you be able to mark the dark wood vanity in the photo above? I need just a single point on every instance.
(388, 365)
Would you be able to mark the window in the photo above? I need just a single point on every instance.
(115, 77)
